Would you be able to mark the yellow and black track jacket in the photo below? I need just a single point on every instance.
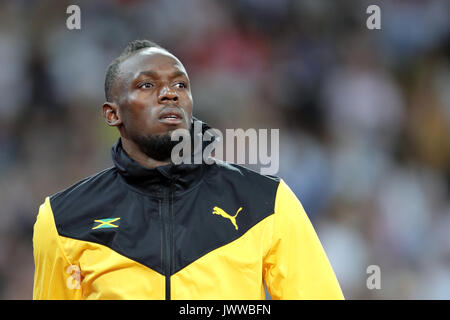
(178, 232)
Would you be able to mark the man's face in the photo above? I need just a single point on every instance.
(153, 94)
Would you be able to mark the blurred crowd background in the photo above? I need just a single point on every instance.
(364, 117)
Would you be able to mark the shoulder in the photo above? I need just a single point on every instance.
(91, 183)
(239, 173)
(247, 182)
(78, 198)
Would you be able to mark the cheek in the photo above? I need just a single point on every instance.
(188, 113)
(137, 116)
(189, 104)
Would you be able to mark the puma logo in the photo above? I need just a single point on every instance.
(220, 212)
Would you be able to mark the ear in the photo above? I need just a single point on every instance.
(111, 114)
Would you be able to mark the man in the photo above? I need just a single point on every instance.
(149, 229)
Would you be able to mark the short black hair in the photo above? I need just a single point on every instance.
(113, 68)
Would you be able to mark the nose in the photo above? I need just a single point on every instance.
(167, 94)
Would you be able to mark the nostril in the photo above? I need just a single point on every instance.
(165, 98)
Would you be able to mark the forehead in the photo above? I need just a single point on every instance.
(157, 60)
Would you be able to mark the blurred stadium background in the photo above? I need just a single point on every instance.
(364, 117)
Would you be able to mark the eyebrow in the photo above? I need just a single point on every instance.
(153, 74)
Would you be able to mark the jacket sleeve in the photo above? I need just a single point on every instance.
(55, 277)
(296, 265)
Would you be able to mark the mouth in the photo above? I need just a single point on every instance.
(171, 117)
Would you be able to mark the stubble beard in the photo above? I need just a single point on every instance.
(159, 146)
(156, 146)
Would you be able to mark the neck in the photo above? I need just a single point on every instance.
(137, 155)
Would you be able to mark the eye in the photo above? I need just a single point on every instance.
(145, 85)
(181, 85)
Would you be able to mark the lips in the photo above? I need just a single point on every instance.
(171, 116)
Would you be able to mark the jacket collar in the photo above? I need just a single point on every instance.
(153, 180)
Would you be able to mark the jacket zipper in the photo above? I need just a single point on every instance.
(167, 229)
